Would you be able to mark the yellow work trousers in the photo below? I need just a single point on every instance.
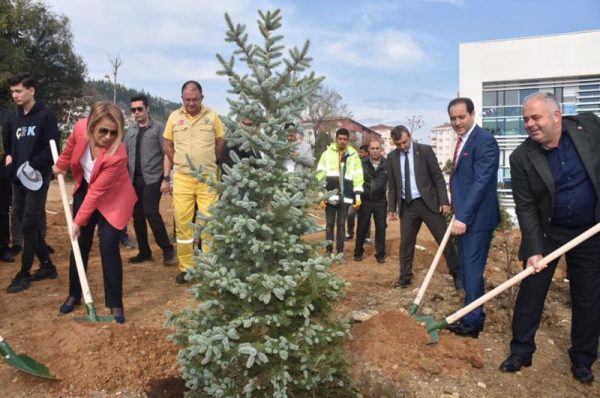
(188, 193)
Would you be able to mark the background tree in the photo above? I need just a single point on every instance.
(34, 39)
(414, 123)
(447, 169)
(324, 104)
(262, 326)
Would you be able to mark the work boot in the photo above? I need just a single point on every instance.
(180, 279)
(47, 270)
(169, 257)
(22, 281)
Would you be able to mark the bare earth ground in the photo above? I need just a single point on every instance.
(389, 353)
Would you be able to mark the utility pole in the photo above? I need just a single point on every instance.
(116, 64)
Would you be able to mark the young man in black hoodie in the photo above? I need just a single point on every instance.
(26, 142)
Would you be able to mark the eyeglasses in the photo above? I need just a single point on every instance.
(137, 109)
(105, 131)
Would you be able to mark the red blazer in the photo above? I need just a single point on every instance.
(110, 190)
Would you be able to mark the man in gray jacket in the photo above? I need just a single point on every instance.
(150, 170)
(302, 159)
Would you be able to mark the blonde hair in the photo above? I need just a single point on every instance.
(106, 110)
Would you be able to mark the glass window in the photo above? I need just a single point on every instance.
(558, 93)
(490, 125)
(512, 126)
(511, 97)
(500, 98)
(490, 98)
(525, 92)
(512, 111)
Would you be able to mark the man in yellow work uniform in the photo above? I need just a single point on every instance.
(193, 131)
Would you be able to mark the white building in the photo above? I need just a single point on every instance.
(443, 141)
(497, 75)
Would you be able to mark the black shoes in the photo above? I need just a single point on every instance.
(180, 279)
(464, 329)
(69, 305)
(19, 283)
(514, 363)
(359, 258)
(46, 271)
(169, 257)
(118, 314)
(140, 258)
(349, 237)
(402, 283)
(6, 257)
(381, 260)
(582, 373)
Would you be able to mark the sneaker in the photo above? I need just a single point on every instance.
(169, 257)
(180, 279)
(140, 258)
(46, 271)
(368, 241)
(19, 283)
(349, 237)
(128, 243)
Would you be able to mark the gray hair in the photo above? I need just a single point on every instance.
(547, 97)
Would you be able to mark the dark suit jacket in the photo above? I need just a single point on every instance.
(474, 181)
(533, 185)
(428, 176)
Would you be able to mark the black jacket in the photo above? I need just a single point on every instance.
(375, 180)
(27, 138)
(533, 184)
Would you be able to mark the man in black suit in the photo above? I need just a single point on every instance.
(422, 197)
(556, 184)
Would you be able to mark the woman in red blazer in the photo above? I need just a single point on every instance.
(103, 196)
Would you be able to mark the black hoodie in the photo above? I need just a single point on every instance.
(27, 138)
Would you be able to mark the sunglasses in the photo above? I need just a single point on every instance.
(105, 131)
(137, 109)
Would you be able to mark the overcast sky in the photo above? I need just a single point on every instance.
(388, 59)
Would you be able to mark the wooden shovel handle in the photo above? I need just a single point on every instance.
(434, 263)
(85, 287)
(524, 274)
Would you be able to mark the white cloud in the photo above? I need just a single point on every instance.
(387, 49)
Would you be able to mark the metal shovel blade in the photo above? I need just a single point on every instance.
(93, 316)
(24, 363)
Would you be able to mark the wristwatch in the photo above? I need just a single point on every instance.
(167, 178)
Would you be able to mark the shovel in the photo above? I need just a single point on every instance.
(415, 306)
(85, 288)
(433, 327)
(24, 363)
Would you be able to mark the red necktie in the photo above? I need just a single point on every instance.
(455, 158)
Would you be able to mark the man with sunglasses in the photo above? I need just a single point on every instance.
(193, 135)
(27, 148)
(149, 170)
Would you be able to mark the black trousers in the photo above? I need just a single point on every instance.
(112, 267)
(336, 216)
(147, 208)
(5, 200)
(29, 206)
(377, 208)
(413, 215)
(583, 271)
